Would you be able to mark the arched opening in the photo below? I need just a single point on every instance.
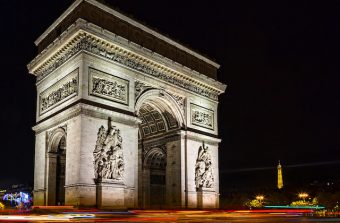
(156, 164)
(60, 172)
(158, 131)
(56, 168)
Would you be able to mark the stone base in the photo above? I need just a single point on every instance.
(110, 194)
(80, 195)
(39, 197)
(206, 198)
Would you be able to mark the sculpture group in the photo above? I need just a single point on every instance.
(203, 169)
(108, 154)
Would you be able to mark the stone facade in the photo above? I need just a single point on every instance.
(121, 126)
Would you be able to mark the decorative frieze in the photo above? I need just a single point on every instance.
(203, 169)
(108, 154)
(108, 86)
(201, 116)
(90, 44)
(60, 92)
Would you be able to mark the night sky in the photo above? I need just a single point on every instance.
(280, 62)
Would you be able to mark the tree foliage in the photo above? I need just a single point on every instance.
(253, 203)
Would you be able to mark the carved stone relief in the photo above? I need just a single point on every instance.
(108, 154)
(203, 168)
(179, 100)
(201, 116)
(140, 87)
(90, 44)
(108, 86)
(61, 91)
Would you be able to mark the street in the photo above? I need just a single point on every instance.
(167, 216)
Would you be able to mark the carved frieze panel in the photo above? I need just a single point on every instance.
(60, 92)
(109, 87)
(201, 116)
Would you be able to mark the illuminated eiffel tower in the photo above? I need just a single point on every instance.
(279, 176)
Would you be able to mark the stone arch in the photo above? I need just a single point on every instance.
(155, 158)
(154, 178)
(56, 167)
(163, 99)
(55, 138)
(162, 120)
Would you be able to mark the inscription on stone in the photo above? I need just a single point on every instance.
(108, 86)
(203, 169)
(201, 116)
(63, 90)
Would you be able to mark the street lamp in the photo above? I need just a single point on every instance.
(260, 198)
(303, 196)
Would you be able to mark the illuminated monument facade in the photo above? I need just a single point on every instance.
(126, 117)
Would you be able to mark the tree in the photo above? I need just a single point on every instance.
(253, 204)
(299, 203)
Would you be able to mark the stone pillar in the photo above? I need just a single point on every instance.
(206, 198)
(39, 170)
(173, 173)
(196, 166)
(39, 197)
(146, 188)
(51, 178)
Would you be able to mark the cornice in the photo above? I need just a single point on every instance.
(199, 137)
(128, 20)
(83, 36)
(87, 110)
(58, 119)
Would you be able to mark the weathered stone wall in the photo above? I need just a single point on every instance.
(39, 169)
(173, 171)
(193, 143)
(89, 130)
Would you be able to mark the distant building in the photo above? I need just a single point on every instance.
(16, 188)
(17, 194)
(279, 176)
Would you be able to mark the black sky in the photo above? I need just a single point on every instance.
(279, 60)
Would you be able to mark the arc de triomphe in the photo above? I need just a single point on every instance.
(126, 117)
